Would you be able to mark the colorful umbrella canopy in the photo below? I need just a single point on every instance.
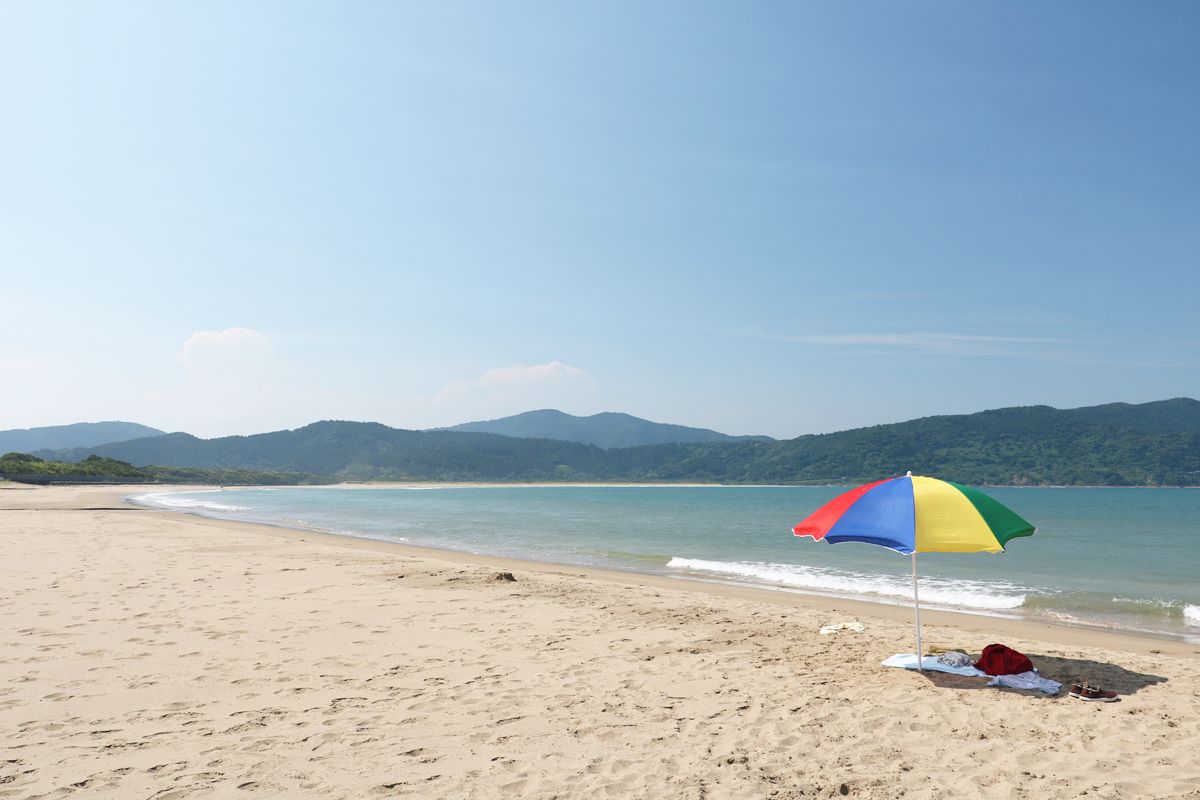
(915, 514)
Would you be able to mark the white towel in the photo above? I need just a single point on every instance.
(909, 661)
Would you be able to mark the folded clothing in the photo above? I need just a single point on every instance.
(955, 659)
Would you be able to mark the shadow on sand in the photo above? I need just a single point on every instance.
(1063, 670)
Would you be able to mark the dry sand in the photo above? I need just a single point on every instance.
(156, 655)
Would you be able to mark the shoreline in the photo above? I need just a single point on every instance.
(1134, 641)
(867, 606)
(388, 484)
(1057, 632)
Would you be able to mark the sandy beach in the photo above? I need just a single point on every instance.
(150, 654)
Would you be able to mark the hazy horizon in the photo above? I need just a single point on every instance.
(777, 219)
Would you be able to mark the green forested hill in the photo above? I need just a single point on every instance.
(80, 434)
(607, 429)
(1113, 445)
(1180, 415)
(1026, 446)
(367, 450)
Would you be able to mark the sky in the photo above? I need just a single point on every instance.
(762, 218)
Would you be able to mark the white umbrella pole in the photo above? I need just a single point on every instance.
(917, 610)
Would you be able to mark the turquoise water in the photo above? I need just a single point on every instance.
(1123, 558)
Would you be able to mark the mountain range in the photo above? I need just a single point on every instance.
(81, 434)
(607, 429)
(1117, 444)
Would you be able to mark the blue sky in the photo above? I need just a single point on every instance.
(774, 218)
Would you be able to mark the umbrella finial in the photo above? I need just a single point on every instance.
(909, 475)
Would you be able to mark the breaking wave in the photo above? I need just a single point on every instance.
(1191, 615)
(935, 591)
(185, 501)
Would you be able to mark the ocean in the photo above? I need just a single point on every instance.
(1109, 558)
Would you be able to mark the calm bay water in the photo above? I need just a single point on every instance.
(1115, 557)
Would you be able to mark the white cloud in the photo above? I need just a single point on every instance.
(232, 348)
(229, 381)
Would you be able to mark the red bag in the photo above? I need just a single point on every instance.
(1000, 659)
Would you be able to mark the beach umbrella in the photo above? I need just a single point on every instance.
(914, 514)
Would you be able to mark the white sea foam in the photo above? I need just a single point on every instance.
(1153, 602)
(935, 591)
(186, 500)
(1172, 608)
